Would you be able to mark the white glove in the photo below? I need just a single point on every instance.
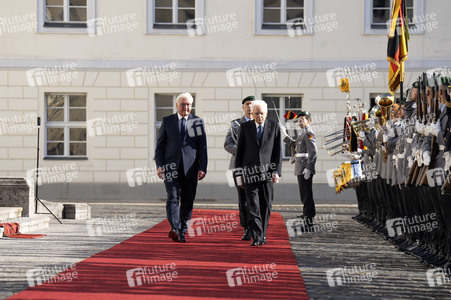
(447, 160)
(283, 130)
(391, 132)
(435, 129)
(427, 158)
(239, 181)
(427, 130)
(409, 162)
(385, 138)
(419, 127)
(362, 134)
(306, 174)
(419, 157)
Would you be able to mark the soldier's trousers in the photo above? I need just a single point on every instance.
(306, 193)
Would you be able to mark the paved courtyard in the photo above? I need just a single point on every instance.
(340, 242)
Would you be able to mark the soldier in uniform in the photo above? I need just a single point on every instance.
(305, 159)
(442, 131)
(445, 198)
(366, 192)
(230, 145)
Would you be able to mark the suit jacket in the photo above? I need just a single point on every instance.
(305, 143)
(171, 150)
(231, 140)
(256, 157)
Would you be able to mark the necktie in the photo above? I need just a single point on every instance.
(259, 132)
(182, 129)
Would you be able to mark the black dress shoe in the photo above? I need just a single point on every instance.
(174, 234)
(256, 243)
(264, 240)
(182, 237)
(247, 235)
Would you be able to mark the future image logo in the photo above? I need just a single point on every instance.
(414, 224)
(435, 177)
(51, 75)
(355, 74)
(437, 277)
(149, 76)
(53, 274)
(107, 25)
(250, 75)
(351, 275)
(200, 226)
(151, 274)
(250, 275)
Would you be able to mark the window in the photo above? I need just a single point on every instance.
(67, 16)
(65, 126)
(279, 105)
(378, 14)
(165, 106)
(381, 13)
(276, 13)
(171, 16)
(66, 13)
(279, 16)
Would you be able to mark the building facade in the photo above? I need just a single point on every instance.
(101, 75)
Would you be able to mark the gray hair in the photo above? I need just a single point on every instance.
(260, 103)
(185, 96)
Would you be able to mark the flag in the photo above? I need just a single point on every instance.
(290, 115)
(397, 48)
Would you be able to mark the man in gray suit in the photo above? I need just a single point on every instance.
(305, 159)
(230, 145)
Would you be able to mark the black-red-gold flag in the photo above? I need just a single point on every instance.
(397, 48)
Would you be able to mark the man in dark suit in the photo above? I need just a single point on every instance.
(181, 159)
(230, 145)
(259, 160)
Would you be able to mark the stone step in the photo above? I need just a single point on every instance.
(7, 213)
(31, 224)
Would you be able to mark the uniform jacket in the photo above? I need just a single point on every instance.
(305, 143)
(231, 140)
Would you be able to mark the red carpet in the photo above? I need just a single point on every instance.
(12, 230)
(210, 265)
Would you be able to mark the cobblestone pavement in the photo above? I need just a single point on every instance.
(353, 246)
(347, 244)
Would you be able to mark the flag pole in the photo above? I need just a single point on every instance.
(401, 92)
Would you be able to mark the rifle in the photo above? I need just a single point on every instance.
(425, 121)
(435, 110)
(414, 167)
(446, 188)
(414, 171)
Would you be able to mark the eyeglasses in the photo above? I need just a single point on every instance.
(185, 104)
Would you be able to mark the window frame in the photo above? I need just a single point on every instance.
(64, 27)
(259, 30)
(368, 27)
(66, 125)
(170, 28)
(282, 110)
